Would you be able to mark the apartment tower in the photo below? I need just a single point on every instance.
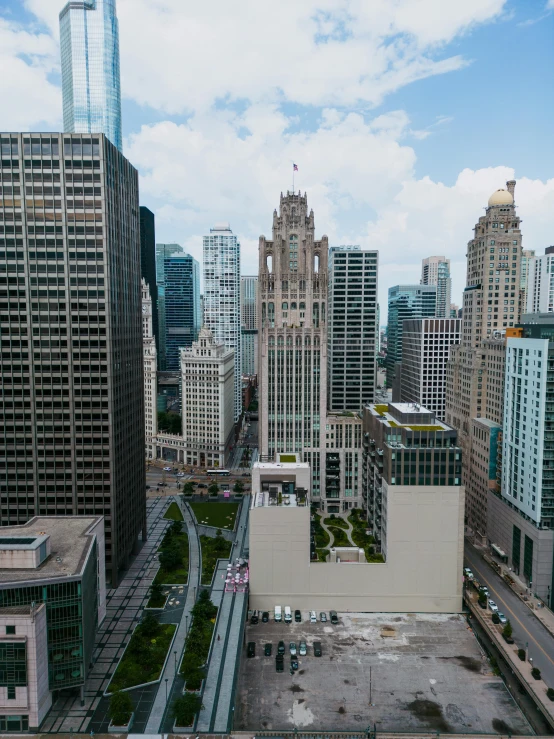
(436, 271)
(540, 283)
(249, 324)
(150, 373)
(71, 408)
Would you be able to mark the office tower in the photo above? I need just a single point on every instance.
(249, 324)
(73, 438)
(490, 308)
(540, 283)
(405, 301)
(222, 296)
(436, 271)
(352, 327)
(150, 373)
(293, 337)
(426, 344)
(455, 311)
(89, 48)
(52, 600)
(208, 399)
(527, 256)
(163, 251)
(148, 262)
(181, 306)
(521, 511)
(408, 451)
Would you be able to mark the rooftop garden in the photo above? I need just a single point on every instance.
(221, 515)
(174, 512)
(197, 645)
(213, 548)
(381, 408)
(360, 538)
(173, 556)
(287, 458)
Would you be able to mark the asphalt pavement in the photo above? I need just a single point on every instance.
(528, 631)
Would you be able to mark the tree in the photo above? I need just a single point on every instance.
(176, 528)
(185, 709)
(169, 422)
(121, 708)
(170, 558)
(507, 630)
(149, 626)
(213, 489)
(495, 618)
(550, 694)
(156, 591)
(521, 654)
(188, 488)
(536, 673)
(239, 487)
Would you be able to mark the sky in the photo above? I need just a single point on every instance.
(403, 116)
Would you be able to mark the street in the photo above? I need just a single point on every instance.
(527, 629)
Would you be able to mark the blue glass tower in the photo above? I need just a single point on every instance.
(89, 44)
(182, 306)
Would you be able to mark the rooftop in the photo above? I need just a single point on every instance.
(411, 416)
(70, 544)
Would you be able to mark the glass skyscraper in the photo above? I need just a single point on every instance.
(182, 307)
(162, 252)
(89, 44)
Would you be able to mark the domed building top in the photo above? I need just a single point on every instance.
(501, 197)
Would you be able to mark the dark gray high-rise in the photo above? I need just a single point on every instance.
(148, 262)
(71, 372)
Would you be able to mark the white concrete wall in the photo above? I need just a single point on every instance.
(423, 572)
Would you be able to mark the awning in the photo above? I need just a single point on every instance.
(501, 553)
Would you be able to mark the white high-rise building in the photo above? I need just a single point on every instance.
(436, 271)
(249, 324)
(207, 370)
(150, 376)
(222, 297)
(540, 283)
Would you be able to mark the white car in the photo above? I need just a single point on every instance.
(292, 648)
(502, 618)
(180, 474)
(493, 606)
(167, 469)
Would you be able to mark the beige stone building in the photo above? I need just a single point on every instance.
(150, 375)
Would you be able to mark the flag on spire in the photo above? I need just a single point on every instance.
(294, 168)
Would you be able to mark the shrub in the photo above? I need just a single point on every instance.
(495, 618)
(213, 489)
(176, 528)
(550, 693)
(482, 599)
(185, 709)
(156, 591)
(149, 626)
(521, 654)
(170, 557)
(536, 673)
(507, 630)
(239, 487)
(121, 708)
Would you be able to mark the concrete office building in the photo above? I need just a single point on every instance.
(72, 404)
(91, 89)
(222, 297)
(292, 359)
(343, 463)
(207, 370)
(249, 324)
(436, 271)
(181, 290)
(491, 306)
(540, 283)
(164, 251)
(405, 301)
(150, 374)
(521, 518)
(486, 439)
(52, 600)
(148, 262)
(527, 256)
(424, 550)
(352, 328)
(426, 344)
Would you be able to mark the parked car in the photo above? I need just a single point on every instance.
(202, 485)
(251, 649)
(281, 648)
(267, 650)
(485, 591)
(313, 617)
(502, 618)
(180, 474)
(254, 618)
(317, 649)
(245, 474)
(292, 648)
(323, 617)
(334, 617)
(493, 606)
(297, 616)
(265, 617)
(302, 649)
(294, 663)
(279, 663)
(167, 469)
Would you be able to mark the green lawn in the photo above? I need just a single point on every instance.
(340, 539)
(322, 538)
(340, 522)
(322, 555)
(361, 539)
(220, 515)
(177, 575)
(144, 658)
(213, 548)
(174, 512)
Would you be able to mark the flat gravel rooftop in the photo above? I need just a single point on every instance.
(427, 674)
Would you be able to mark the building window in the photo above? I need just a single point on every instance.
(11, 692)
(10, 629)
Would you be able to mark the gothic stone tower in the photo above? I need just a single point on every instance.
(292, 317)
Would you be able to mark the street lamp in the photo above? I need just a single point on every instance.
(166, 689)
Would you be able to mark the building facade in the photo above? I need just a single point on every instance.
(181, 306)
(405, 301)
(150, 374)
(162, 252)
(207, 370)
(540, 283)
(72, 404)
(343, 463)
(527, 256)
(426, 344)
(352, 326)
(89, 48)
(249, 324)
(436, 271)
(52, 600)
(292, 359)
(148, 262)
(222, 313)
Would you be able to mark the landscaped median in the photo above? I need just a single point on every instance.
(218, 515)
(144, 658)
(199, 638)
(173, 557)
(213, 548)
(174, 512)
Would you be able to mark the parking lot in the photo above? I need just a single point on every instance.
(402, 672)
